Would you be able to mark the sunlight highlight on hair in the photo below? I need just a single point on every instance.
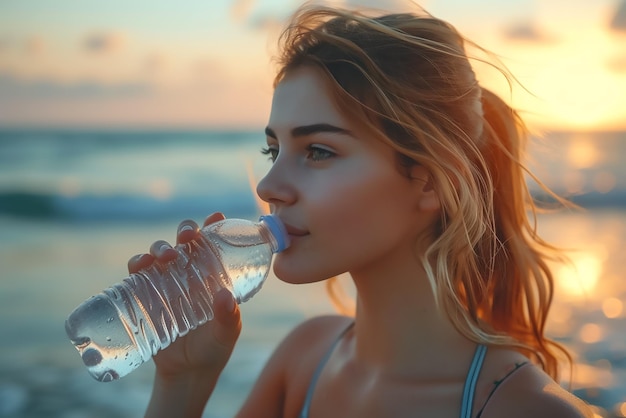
(263, 206)
(343, 301)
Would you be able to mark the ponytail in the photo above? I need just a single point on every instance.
(522, 290)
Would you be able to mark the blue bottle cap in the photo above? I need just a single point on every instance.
(278, 230)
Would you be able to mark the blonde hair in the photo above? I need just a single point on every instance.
(408, 80)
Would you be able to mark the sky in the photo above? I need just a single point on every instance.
(207, 64)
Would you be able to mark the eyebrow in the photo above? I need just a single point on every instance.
(307, 130)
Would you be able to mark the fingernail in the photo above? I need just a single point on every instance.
(186, 228)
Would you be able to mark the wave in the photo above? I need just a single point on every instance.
(137, 208)
(75, 175)
(122, 207)
(597, 200)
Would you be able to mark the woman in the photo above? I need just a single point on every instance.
(390, 162)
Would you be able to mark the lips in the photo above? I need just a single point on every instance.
(295, 232)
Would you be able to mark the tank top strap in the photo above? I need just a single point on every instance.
(497, 383)
(318, 371)
(468, 390)
(470, 382)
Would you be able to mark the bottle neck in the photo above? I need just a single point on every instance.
(275, 231)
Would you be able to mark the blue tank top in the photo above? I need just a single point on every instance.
(468, 389)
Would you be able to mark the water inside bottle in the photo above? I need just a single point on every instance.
(127, 324)
(105, 347)
(246, 261)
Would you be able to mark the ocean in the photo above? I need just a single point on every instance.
(76, 204)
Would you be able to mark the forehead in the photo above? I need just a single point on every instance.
(302, 98)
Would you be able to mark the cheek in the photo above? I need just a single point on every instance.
(354, 203)
(342, 208)
(362, 216)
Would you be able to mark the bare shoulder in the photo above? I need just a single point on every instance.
(317, 331)
(282, 385)
(531, 392)
(301, 350)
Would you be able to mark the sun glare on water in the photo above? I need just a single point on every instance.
(580, 277)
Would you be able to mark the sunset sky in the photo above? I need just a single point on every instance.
(147, 63)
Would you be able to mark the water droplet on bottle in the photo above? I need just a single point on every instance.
(108, 376)
(108, 338)
(91, 357)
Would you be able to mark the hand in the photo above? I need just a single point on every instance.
(205, 350)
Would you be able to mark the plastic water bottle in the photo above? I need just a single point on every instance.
(125, 325)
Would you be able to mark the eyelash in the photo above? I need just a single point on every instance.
(312, 150)
(272, 152)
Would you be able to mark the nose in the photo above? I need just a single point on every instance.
(277, 187)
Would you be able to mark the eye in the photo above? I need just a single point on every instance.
(317, 153)
(271, 151)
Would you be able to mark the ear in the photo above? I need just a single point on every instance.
(427, 197)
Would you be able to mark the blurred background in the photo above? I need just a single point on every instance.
(119, 119)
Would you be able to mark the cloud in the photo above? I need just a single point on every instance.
(267, 23)
(31, 45)
(618, 23)
(104, 42)
(206, 68)
(35, 45)
(155, 63)
(12, 87)
(526, 32)
(386, 5)
(241, 9)
(4, 44)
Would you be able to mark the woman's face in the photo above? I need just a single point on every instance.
(339, 191)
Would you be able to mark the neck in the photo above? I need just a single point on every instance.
(399, 328)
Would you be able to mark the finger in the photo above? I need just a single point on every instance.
(227, 319)
(139, 261)
(163, 251)
(187, 231)
(214, 217)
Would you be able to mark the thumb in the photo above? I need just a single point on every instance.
(227, 318)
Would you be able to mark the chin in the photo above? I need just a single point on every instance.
(294, 273)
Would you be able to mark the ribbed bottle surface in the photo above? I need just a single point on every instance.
(125, 325)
